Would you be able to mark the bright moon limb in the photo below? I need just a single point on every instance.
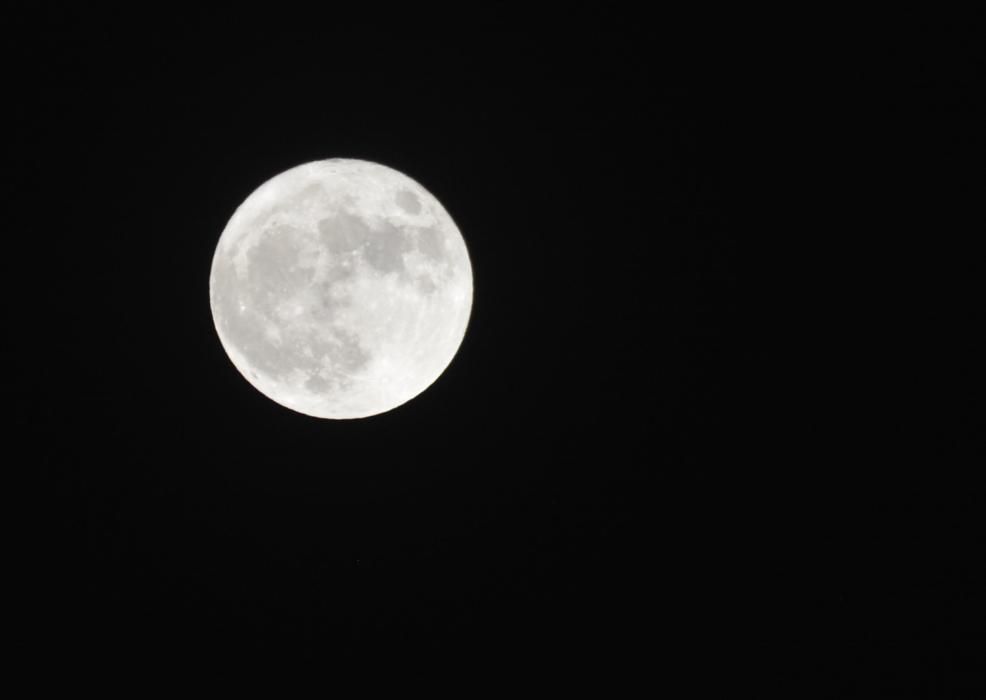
(341, 288)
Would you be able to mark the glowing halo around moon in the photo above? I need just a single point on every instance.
(341, 288)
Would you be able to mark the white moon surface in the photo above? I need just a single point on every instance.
(341, 288)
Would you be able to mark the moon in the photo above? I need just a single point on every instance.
(341, 288)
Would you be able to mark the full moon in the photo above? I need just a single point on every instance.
(341, 288)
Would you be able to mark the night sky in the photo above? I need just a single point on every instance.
(616, 474)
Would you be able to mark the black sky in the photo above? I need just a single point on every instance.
(604, 476)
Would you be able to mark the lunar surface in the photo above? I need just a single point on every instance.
(341, 288)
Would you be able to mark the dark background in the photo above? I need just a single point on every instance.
(654, 456)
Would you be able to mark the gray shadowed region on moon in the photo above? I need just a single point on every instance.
(341, 288)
